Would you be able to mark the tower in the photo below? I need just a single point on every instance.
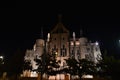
(59, 40)
(39, 44)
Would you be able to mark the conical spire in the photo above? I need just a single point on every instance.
(60, 28)
(59, 17)
(81, 33)
(41, 33)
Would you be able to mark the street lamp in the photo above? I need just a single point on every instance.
(119, 43)
(1, 57)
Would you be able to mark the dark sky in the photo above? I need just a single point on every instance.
(21, 27)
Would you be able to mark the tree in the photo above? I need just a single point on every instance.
(80, 67)
(46, 64)
(109, 67)
(72, 66)
(14, 64)
(85, 67)
(27, 65)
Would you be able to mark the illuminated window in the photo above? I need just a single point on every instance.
(77, 43)
(71, 43)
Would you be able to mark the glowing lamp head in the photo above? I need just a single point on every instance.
(1, 57)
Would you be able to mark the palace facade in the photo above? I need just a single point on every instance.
(64, 46)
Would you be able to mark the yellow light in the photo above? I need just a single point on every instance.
(87, 76)
(56, 53)
(71, 43)
(77, 43)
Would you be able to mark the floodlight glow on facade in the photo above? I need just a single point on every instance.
(96, 43)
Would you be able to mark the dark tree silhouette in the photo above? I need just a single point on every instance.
(27, 65)
(80, 67)
(85, 67)
(109, 67)
(14, 64)
(46, 64)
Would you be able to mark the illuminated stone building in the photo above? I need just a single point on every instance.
(60, 42)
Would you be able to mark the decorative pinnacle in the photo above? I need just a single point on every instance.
(48, 37)
(73, 35)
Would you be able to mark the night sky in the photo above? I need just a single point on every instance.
(20, 28)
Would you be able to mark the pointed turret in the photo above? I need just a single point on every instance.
(83, 40)
(40, 43)
(41, 35)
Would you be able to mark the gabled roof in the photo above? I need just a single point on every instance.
(60, 28)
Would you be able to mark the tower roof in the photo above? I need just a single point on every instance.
(60, 28)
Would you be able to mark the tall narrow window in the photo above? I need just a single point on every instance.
(63, 46)
(54, 46)
(63, 38)
(96, 49)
